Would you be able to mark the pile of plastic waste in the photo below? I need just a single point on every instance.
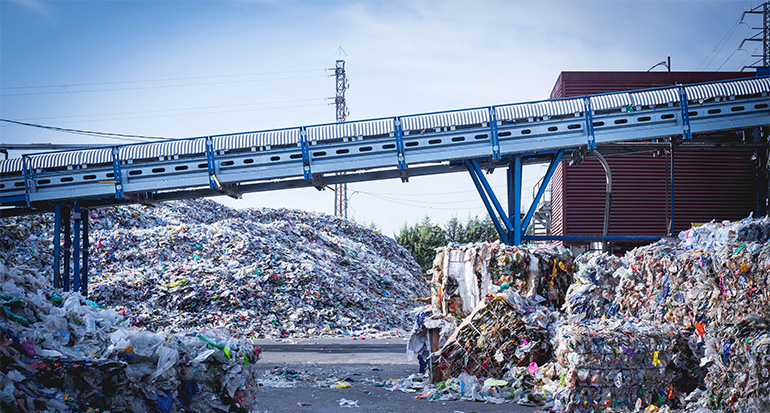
(671, 325)
(462, 276)
(255, 273)
(592, 295)
(61, 352)
(508, 330)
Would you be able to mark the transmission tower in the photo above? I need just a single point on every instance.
(341, 190)
(763, 36)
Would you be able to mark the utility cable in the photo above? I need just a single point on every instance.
(174, 79)
(721, 44)
(730, 57)
(74, 92)
(110, 135)
(138, 112)
(422, 206)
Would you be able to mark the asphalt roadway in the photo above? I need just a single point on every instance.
(313, 365)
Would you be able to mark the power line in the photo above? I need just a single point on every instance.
(729, 57)
(419, 206)
(173, 79)
(109, 135)
(74, 92)
(148, 116)
(721, 44)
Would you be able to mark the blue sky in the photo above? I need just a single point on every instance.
(192, 68)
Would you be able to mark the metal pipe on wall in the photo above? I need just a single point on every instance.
(608, 198)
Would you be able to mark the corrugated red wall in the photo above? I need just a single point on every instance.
(571, 84)
(715, 183)
(708, 184)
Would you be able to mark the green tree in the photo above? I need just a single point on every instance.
(454, 231)
(421, 240)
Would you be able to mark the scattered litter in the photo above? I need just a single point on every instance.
(348, 403)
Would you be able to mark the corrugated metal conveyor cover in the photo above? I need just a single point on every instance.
(165, 148)
(445, 119)
(655, 97)
(71, 158)
(11, 165)
(737, 88)
(349, 130)
(256, 139)
(539, 109)
(612, 101)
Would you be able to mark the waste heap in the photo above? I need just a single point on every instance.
(255, 273)
(464, 275)
(713, 284)
(500, 293)
(61, 352)
(592, 295)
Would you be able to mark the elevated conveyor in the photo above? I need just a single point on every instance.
(400, 146)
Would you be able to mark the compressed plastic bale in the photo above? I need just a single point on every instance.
(614, 363)
(495, 337)
(464, 274)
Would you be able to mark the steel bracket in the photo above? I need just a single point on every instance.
(588, 113)
(686, 133)
(116, 172)
(305, 154)
(493, 134)
(213, 181)
(399, 134)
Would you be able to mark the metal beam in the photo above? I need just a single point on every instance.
(541, 191)
(516, 213)
(57, 246)
(76, 250)
(491, 195)
(67, 215)
(500, 231)
(86, 245)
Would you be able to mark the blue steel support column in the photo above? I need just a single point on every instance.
(493, 133)
(25, 162)
(589, 117)
(67, 247)
(56, 245)
(485, 184)
(86, 244)
(307, 173)
(686, 134)
(76, 250)
(516, 213)
(541, 191)
(398, 129)
(116, 172)
(213, 182)
(503, 234)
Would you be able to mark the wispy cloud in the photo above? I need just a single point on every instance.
(37, 7)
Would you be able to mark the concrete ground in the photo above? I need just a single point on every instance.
(313, 365)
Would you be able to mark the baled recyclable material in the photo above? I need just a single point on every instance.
(463, 275)
(508, 330)
(613, 363)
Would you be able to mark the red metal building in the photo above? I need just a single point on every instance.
(715, 183)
